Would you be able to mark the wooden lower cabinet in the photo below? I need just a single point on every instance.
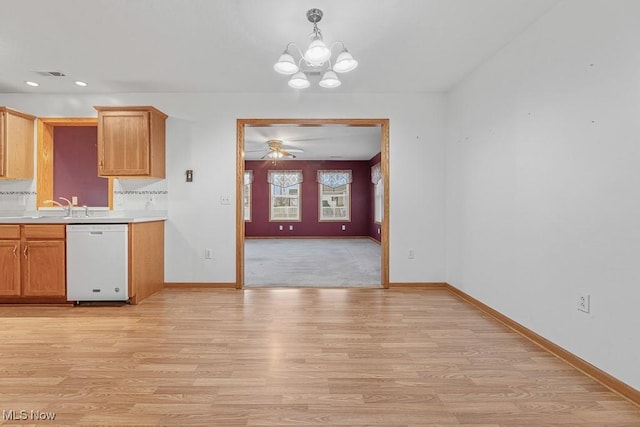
(146, 259)
(32, 263)
(43, 269)
(9, 268)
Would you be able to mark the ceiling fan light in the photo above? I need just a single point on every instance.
(330, 80)
(299, 81)
(345, 62)
(286, 64)
(317, 53)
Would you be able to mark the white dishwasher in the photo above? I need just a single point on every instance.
(97, 258)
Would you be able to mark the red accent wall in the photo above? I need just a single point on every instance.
(373, 226)
(75, 166)
(361, 204)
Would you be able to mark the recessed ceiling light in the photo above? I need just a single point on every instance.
(80, 83)
(33, 84)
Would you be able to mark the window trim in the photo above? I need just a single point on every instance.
(248, 187)
(320, 207)
(271, 178)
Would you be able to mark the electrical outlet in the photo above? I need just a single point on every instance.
(344, 227)
(412, 253)
(281, 228)
(208, 253)
(584, 303)
(224, 200)
(291, 227)
(74, 200)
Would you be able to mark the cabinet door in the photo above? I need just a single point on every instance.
(123, 143)
(9, 267)
(3, 143)
(43, 266)
(16, 144)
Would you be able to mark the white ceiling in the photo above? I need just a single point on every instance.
(137, 46)
(120, 46)
(328, 142)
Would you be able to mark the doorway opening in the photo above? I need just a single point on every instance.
(245, 126)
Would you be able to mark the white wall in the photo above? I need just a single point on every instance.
(543, 177)
(201, 135)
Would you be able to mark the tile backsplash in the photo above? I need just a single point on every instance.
(131, 197)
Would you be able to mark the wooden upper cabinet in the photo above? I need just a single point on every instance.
(131, 142)
(16, 144)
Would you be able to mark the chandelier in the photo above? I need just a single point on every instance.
(315, 60)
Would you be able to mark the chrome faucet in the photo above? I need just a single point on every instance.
(69, 206)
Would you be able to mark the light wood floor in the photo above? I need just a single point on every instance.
(290, 357)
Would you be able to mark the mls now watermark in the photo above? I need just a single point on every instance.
(27, 415)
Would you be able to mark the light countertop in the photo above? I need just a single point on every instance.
(77, 220)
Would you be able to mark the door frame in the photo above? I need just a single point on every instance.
(384, 166)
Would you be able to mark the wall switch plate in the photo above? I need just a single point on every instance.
(208, 253)
(584, 303)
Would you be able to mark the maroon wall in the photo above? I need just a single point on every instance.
(361, 213)
(374, 228)
(75, 166)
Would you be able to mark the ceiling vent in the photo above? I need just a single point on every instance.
(50, 73)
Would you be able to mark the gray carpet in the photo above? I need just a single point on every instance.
(311, 263)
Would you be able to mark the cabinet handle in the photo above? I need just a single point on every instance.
(101, 164)
(15, 250)
(26, 252)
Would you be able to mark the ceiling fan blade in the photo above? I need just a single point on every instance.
(292, 149)
(287, 153)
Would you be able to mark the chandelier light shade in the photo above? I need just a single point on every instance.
(330, 80)
(316, 60)
(299, 81)
(286, 64)
(345, 62)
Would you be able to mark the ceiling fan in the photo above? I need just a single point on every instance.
(277, 150)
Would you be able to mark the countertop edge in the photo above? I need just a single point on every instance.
(83, 220)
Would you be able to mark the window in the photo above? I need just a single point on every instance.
(246, 195)
(334, 195)
(285, 195)
(378, 192)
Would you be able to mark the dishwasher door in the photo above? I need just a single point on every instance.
(97, 259)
